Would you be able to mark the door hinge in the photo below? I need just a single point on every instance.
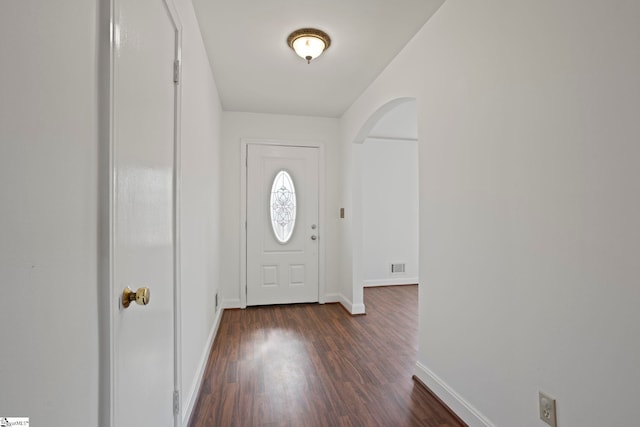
(176, 71)
(176, 402)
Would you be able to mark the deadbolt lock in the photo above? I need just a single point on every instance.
(141, 296)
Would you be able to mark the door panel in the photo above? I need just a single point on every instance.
(278, 272)
(144, 99)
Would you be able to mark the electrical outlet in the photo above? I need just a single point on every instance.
(547, 409)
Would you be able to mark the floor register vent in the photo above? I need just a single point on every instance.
(397, 268)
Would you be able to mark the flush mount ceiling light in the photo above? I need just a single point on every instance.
(308, 43)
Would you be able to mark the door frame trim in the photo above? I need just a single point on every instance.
(244, 144)
(111, 301)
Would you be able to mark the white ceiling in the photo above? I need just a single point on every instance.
(256, 71)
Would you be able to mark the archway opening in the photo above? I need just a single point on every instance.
(385, 198)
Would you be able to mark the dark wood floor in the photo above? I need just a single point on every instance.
(315, 365)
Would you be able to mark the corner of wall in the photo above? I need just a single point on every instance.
(345, 302)
(194, 390)
(463, 409)
(231, 303)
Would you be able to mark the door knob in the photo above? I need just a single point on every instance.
(141, 296)
(314, 237)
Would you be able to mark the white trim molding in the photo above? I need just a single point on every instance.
(232, 303)
(357, 309)
(177, 212)
(332, 298)
(463, 409)
(390, 282)
(194, 392)
(352, 308)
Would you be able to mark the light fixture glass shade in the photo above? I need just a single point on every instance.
(308, 43)
(308, 47)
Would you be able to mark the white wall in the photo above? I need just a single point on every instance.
(390, 211)
(529, 209)
(49, 212)
(200, 206)
(235, 127)
(350, 231)
(51, 119)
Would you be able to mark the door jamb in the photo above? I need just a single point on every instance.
(109, 308)
(244, 143)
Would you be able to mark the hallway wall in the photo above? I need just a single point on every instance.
(200, 206)
(52, 160)
(529, 208)
(49, 150)
(389, 211)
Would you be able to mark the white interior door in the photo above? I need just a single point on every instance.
(282, 224)
(143, 228)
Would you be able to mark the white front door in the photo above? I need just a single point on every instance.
(282, 224)
(142, 199)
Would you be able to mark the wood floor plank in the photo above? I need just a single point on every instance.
(315, 365)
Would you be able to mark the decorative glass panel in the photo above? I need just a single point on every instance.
(283, 206)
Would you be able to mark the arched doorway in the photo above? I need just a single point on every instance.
(385, 177)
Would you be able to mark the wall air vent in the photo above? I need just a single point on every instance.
(397, 268)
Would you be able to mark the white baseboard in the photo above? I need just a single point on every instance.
(463, 409)
(357, 309)
(195, 388)
(330, 298)
(231, 303)
(390, 282)
(348, 305)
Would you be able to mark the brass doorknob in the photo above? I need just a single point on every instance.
(141, 296)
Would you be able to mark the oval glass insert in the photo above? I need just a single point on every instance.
(283, 206)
